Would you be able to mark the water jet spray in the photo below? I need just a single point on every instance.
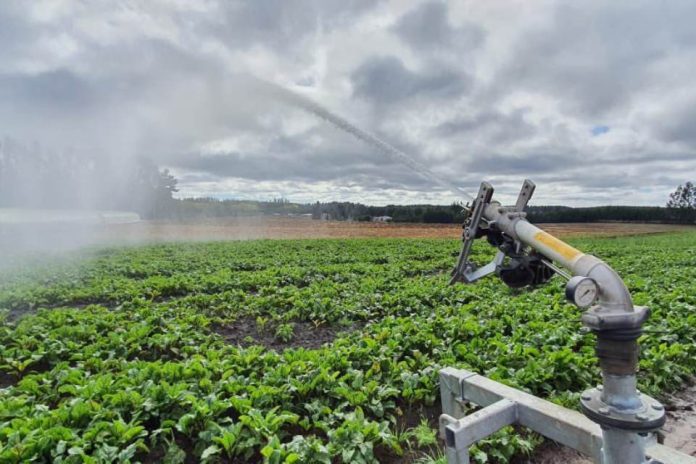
(305, 103)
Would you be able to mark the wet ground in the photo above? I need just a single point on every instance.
(680, 429)
(246, 331)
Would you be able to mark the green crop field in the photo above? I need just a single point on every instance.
(300, 351)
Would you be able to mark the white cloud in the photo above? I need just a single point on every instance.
(475, 90)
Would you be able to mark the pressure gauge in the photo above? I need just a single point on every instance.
(582, 291)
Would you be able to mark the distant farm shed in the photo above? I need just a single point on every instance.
(382, 219)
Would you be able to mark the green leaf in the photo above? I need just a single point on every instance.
(210, 451)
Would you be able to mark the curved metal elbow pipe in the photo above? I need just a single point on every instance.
(613, 294)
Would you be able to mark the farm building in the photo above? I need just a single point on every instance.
(382, 219)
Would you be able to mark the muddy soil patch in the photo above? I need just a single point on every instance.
(680, 429)
(15, 314)
(552, 453)
(411, 416)
(245, 332)
(7, 380)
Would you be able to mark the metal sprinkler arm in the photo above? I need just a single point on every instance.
(613, 293)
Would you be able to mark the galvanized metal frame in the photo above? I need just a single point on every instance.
(503, 405)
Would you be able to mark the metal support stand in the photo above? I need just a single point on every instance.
(503, 405)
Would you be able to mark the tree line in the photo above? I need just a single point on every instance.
(680, 209)
(198, 208)
(34, 178)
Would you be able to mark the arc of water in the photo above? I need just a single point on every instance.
(313, 107)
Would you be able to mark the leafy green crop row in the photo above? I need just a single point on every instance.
(116, 357)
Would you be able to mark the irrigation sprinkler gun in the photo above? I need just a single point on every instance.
(619, 422)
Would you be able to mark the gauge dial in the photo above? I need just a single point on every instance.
(582, 291)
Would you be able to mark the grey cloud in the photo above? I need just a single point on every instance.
(499, 127)
(427, 26)
(386, 80)
(287, 159)
(596, 57)
(60, 89)
(680, 126)
(582, 167)
(17, 36)
(525, 112)
(281, 24)
(529, 164)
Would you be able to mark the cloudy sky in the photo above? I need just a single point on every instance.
(594, 101)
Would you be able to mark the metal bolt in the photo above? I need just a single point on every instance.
(586, 397)
(641, 416)
(604, 410)
(657, 407)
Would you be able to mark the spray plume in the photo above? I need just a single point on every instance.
(302, 102)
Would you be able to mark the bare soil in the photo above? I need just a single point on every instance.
(680, 429)
(16, 239)
(7, 380)
(293, 228)
(245, 332)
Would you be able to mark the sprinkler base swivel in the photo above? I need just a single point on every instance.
(625, 415)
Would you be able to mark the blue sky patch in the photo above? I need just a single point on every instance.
(599, 130)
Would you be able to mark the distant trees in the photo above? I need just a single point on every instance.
(32, 177)
(683, 197)
(150, 191)
(600, 213)
(36, 178)
(682, 203)
(192, 208)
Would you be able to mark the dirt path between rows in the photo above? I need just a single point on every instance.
(17, 238)
(279, 227)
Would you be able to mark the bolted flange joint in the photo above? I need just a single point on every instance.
(647, 417)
